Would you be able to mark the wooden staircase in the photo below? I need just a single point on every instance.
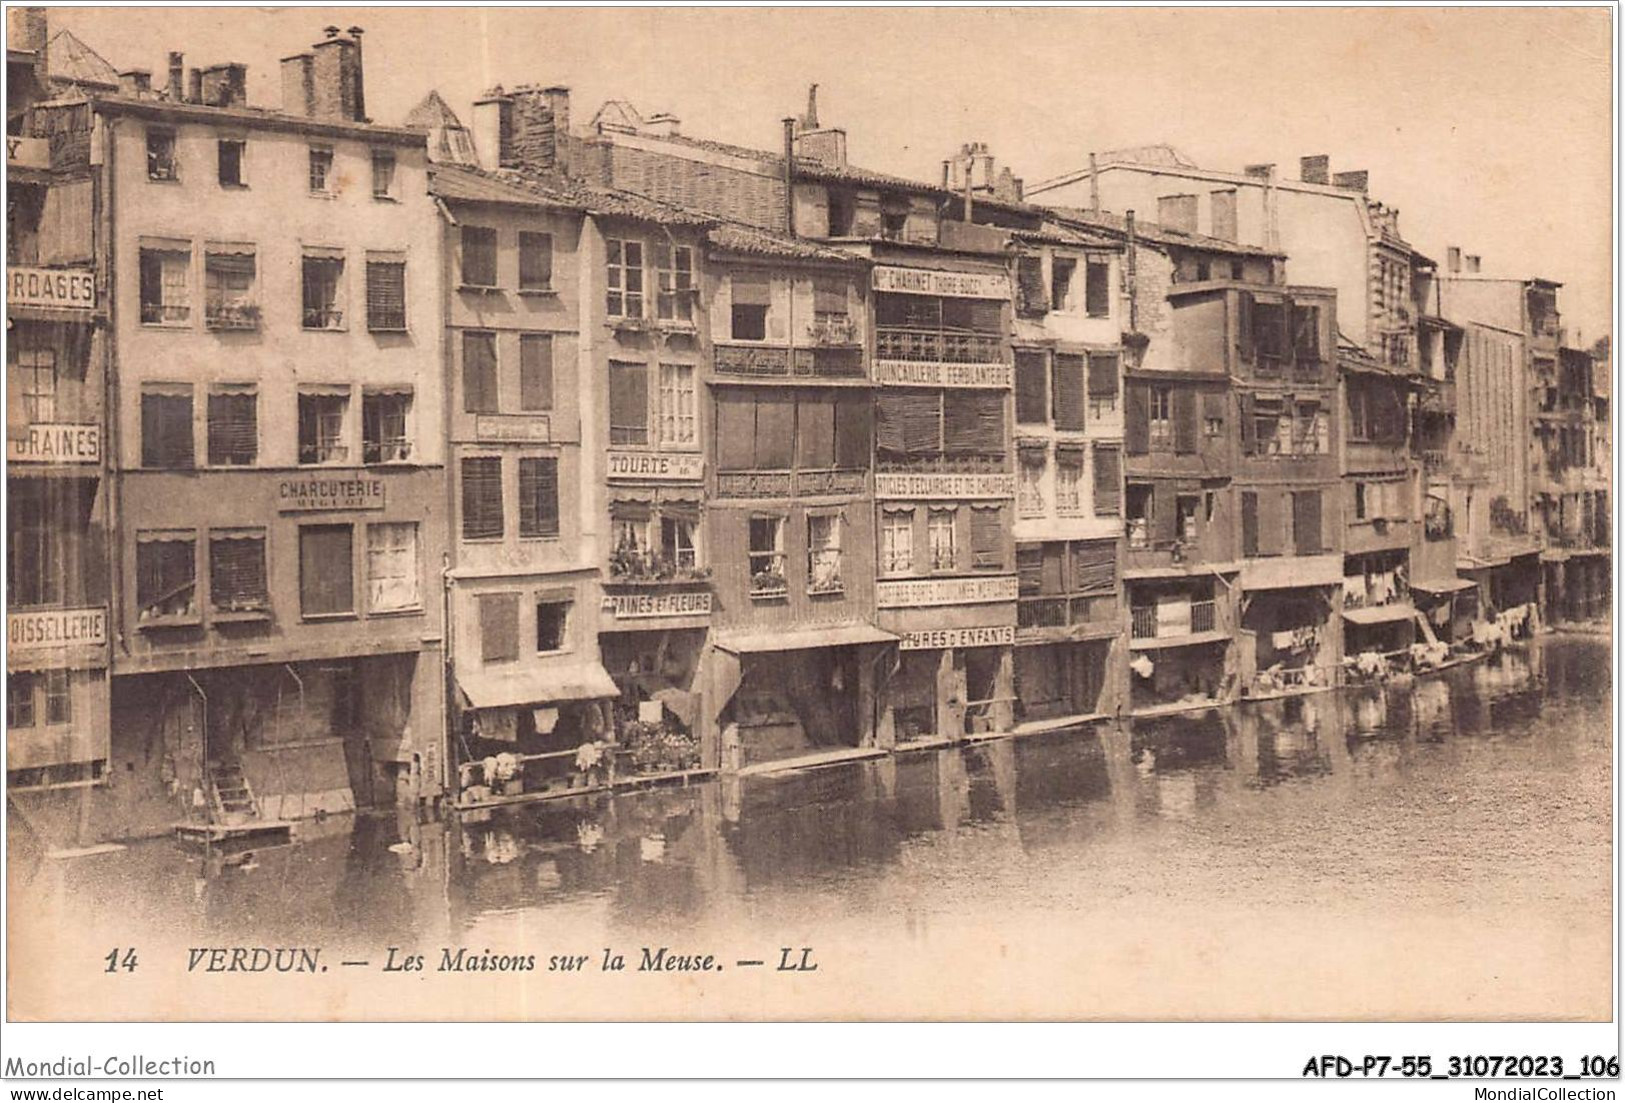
(231, 795)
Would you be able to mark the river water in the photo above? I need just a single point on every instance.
(1434, 851)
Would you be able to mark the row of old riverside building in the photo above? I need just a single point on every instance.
(354, 464)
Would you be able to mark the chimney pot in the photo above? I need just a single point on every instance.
(1472, 262)
(330, 31)
(1315, 169)
(297, 84)
(177, 76)
(135, 82)
(194, 86)
(1452, 259)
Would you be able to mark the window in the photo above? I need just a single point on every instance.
(40, 518)
(677, 545)
(322, 415)
(1137, 515)
(479, 256)
(383, 173)
(552, 618)
(237, 571)
(629, 532)
(893, 216)
(166, 425)
(1162, 418)
(323, 282)
(940, 539)
(1060, 282)
(1209, 506)
(229, 155)
(1359, 501)
(1069, 482)
(986, 538)
(767, 557)
(36, 378)
(384, 417)
(233, 425)
(749, 322)
(1069, 388)
(674, 269)
(228, 287)
(19, 699)
(1306, 335)
(972, 422)
(628, 402)
(832, 319)
(1097, 287)
(321, 168)
(166, 285)
(499, 628)
(1185, 506)
(482, 498)
(165, 576)
(897, 541)
(392, 567)
(1310, 434)
(480, 372)
(824, 553)
(535, 261)
(58, 698)
(161, 163)
(1032, 299)
(625, 278)
(1306, 534)
(386, 293)
(1103, 373)
(1030, 483)
(1212, 415)
(326, 571)
(1267, 435)
(1249, 523)
(1108, 466)
(535, 371)
(1204, 270)
(1032, 388)
(538, 496)
(677, 401)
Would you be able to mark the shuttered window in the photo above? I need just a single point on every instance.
(480, 373)
(1032, 297)
(775, 431)
(1184, 420)
(986, 538)
(1069, 390)
(482, 498)
(1306, 334)
(1032, 388)
(233, 427)
(1249, 424)
(538, 496)
(973, 422)
(829, 296)
(392, 567)
(1094, 568)
(736, 430)
(1249, 523)
(165, 575)
(908, 422)
(1108, 480)
(628, 402)
(166, 426)
(1030, 570)
(1103, 375)
(1245, 344)
(499, 628)
(535, 371)
(326, 570)
(852, 418)
(479, 268)
(815, 432)
(1137, 419)
(1097, 295)
(1306, 534)
(535, 261)
(1271, 524)
(386, 295)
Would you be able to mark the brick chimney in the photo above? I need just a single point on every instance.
(1358, 180)
(194, 86)
(493, 128)
(1316, 169)
(1452, 259)
(177, 76)
(1473, 260)
(1259, 172)
(336, 78)
(135, 82)
(298, 84)
(225, 85)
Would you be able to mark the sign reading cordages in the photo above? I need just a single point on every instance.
(329, 493)
(55, 444)
(934, 639)
(62, 288)
(905, 593)
(56, 630)
(935, 281)
(657, 466)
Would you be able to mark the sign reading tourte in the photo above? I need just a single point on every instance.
(64, 288)
(306, 494)
(932, 281)
(931, 485)
(681, 604)
(903, 593)
(933, 639)
(56, 444)
(658, 466)
(56, 629)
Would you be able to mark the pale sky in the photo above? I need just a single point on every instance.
(1487, 127)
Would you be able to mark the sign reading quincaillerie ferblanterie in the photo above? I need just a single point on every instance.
(902, 593)
(56, 444)
(63, 288)
(932, 485)
(308, 494)
(657, 466)
(56, 629)
(934, 373)
(680, 604)
(934, 281)
(934, 639)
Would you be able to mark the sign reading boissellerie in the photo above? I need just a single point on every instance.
(49, 629)
(993, 485)
(57, 444)
(933, 639)
(935, 373)
(944, 591)
(326, 493)
(662, 466)
(931, 281)
(69, 288)
(630, 606)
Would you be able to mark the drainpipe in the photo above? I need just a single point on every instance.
(790, 175)
(1094, 185)
(1131, 273)
(110, 399)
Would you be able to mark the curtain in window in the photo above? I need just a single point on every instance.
(392, 566)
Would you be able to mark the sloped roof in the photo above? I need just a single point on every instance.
(734, 238)
(68, 59)
(449, 141)
(1117, 226)
(508, 186)
(432, 111)
(1158, 153)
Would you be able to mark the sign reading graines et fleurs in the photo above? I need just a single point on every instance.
(902, 593)
(56, 444)
(933, 639)
(660, 466)
(678, 604)
(69, 288)
(932, 281)
(311, 494)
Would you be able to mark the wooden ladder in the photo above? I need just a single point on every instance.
(233, 797)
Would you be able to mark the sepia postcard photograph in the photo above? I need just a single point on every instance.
(831, 514)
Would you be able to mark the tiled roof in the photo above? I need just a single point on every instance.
(457, 182)
(733, 238)
(1117, 226)
(69, 59)
(1066, 235)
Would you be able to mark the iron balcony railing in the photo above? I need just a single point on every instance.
(946, 346)
(1145, 626)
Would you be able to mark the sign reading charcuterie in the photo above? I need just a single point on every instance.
(933, 281)
(63, 288)
(328, 493)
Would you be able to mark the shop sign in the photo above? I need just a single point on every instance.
(56, 629)
(693, 603)
(657, 466)
(520, 430)
(935, 373)
(56, 444)
(62, 288)
(302, 494)
(930, 281)
(905, 593)
(28, 153)
(933, 485)
(938, 639)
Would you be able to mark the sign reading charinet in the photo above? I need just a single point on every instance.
(657, 466)
(56, 629)
(64, 288)
(56, 444)
(326, 493)
(903, 593)
(933, 281)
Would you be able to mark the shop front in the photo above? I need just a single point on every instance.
(1290, 637)
(955, 675)
(651, 641)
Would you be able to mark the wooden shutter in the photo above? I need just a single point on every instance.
(237, 571)
(815, 431)
(1032, 391)
(482, 498)
(628, 402)
(1094, 567)
(1164, 512)
(1137, 419)
(736, 430)
(536, 371)
(1271, 524)
(986, 538)
(973, 422)
(539, 496)
(1032, 297)
(1103, 373)
(775, 430)
(1108, 480)
(499, 627)
(233, 430)
(829, 295)
(386, 295)
(535, 261)
(1184, 399)
(479, 256)
(326, 570)
(1097, 287)
(907, 422)
(1069, 391)
(1030, 570)
(1249, 427)
(480, 373)
(1246, 341)
(1249, 523)
(1306, 333)
(1306, 533)
(852, 417)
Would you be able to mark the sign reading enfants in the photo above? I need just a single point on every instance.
(936, 639)
(305, 494)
